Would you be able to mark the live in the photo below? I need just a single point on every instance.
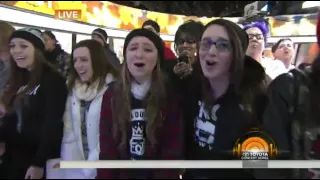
(68, 14)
